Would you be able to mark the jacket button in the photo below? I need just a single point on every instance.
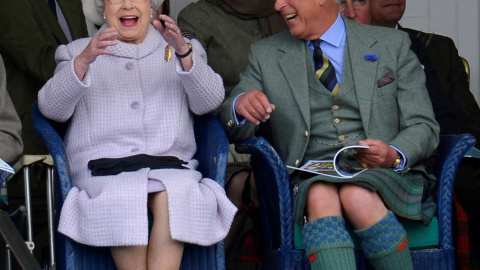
(335, 107)
(341, 138)
(297, 162)
(305, 133)
(230, 123)
(336, 121)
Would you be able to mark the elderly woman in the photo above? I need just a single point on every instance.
(130, 142)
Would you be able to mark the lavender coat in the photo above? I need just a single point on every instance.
(129, 103)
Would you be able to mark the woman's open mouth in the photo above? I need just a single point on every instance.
(129, 21)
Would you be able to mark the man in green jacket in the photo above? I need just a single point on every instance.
(314, 110)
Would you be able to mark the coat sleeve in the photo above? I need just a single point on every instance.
(58, 97)
(419, 131)
(11, 145)
(204, 87)
(251, 79)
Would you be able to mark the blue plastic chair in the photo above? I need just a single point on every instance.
(274, 194)
(212, 155)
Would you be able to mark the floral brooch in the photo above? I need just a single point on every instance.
(371, 57)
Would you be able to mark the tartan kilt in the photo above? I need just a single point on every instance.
(410, 195)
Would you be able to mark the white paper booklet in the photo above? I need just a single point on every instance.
(343, 165)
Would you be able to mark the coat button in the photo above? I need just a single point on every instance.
(335, 107)
(230, 123)
(305, 133)
(134, 105)
(129, 66)
(341, 138)
(336, 121)
(297, 162)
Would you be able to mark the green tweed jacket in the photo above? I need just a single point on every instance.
(30, 35)
(398, 112)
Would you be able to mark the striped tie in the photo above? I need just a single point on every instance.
(324, 69)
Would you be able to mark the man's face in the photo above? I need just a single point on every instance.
(301, 16)
(356, 10)
(387, 12)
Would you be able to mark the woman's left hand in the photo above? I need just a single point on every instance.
(171, 33)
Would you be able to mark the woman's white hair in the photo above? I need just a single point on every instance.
(93, 9)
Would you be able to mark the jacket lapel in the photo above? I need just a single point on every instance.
(364, 72)
(294, 67)
(73, 12)
(51, 21)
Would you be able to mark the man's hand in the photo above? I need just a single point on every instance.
(254, 106)
(379, 155)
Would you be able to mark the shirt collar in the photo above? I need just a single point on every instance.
(335, 33)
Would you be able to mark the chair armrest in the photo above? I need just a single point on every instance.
(443, 163)
(54, 143)
(273, 186)
(212, 147)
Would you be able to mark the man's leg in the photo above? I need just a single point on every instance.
(383, 238)
(328, 245)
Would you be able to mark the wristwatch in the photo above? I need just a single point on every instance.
(397, 162)
(190, 49)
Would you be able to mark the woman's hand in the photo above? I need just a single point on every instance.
(96, 47)
(173, 35)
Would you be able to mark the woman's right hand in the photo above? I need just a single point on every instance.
(96, 47)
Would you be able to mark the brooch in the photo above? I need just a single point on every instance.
(168, 53)
(371, 57)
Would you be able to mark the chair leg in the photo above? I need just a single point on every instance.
(16, 243)
(50, 205)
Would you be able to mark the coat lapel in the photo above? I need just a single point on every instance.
(73, 12)
(364, 72)
(51, 21)
(294, 67)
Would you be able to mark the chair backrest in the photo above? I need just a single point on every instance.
(212, 154)
(275, 202)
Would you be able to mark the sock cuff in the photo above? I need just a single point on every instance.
(326, 233)
(382, 237)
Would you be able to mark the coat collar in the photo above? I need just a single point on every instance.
(52, 22)
(152, 41)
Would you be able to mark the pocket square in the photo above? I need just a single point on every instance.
(386, 80)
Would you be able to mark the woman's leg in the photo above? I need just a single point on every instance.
(163, 251)
(133, 257)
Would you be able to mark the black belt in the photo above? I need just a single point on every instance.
(114, 166)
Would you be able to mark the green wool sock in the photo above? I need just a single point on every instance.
(328, 244)
(385, 244)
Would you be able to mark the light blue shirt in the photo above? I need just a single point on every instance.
(334, 45)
